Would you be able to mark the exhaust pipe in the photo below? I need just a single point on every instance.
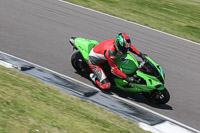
(72, 42)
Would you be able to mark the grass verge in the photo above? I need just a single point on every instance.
(29, 105)
(178, 17)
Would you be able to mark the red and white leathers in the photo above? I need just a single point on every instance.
(101, 53)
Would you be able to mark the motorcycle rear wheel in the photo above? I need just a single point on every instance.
(79, 64)
(157, 96)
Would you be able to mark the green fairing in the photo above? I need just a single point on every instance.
(85, 46)
(151, 81)
(128, 64)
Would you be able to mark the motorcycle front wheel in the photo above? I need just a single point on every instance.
(157, 96)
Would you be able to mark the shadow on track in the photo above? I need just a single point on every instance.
(137, 97)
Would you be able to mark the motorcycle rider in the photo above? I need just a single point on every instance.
(106, 51)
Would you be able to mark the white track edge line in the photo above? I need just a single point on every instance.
(128, 101)
(130, 22)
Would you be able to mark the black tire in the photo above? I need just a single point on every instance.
(157, 96)
(79, 63)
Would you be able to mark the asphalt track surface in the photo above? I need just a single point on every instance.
(38, 31)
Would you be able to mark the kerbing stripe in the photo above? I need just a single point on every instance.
(5, 64)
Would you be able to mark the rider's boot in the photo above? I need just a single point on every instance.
(104, 86)
(93, 77)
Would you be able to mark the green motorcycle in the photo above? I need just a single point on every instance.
(148, 74)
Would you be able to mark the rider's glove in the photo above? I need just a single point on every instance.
(130, 79)
(143, 56)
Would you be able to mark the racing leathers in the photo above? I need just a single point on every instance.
(101, 53)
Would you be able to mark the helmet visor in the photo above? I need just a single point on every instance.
(123, 49)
